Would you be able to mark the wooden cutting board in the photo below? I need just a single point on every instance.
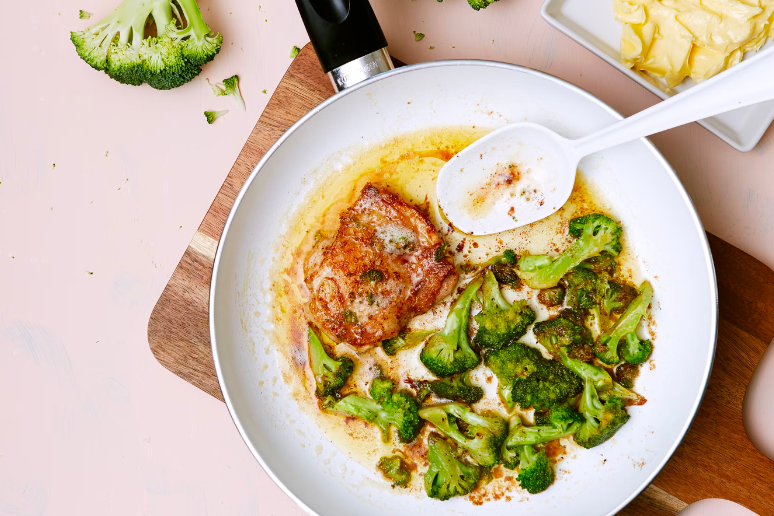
(716, 460)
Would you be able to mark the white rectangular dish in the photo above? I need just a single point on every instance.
(592, 24)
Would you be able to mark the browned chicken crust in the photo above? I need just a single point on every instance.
(384, 266)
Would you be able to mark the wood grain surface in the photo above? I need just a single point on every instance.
(716, 460)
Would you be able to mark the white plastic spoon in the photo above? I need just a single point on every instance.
(524, 172)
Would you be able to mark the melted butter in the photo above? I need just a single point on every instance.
(409, 166)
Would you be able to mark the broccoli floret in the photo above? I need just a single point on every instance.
(616, 297)
(604, 264)
(457, 388)
(381, 389)
(582, 286)
(329, 375)
(118, 44)
(505, 274)
(562, 333)
(398, 409)
(447, 475)
(603, 382)
(395, 468)
(594, 234)
(551, 296)
(535, 472)
(607, 345)
(602, 419)
(480, 4)
(625, 374)
(636, 351)
(500, 323)
(619, 391)
(229, 87)
(404, 341)
(482, 436)
(448, 352)
(564, 424)
(211, 116)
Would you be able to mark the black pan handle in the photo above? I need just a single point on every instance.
(347, 38)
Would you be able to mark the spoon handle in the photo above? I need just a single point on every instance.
(749, 82)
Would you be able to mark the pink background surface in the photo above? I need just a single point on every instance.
(91, 423)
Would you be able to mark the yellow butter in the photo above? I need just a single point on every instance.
(675, 39)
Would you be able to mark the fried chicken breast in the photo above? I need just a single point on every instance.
(384, 265)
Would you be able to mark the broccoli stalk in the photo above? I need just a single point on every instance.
(603, 420)
(457, 388)
(118, 44)
(535, 472)
(482, 437)
(404, 341)
(448, 352)
(397, 409)
(500, 322)
(329, 375)
(594, 234)
(603, 382)
(566, 424)
(636, 351)
(211, 116)
(447, 475)
(607, 346)
(395, 468)
(229, 88)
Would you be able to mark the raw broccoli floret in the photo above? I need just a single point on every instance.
(395, 468)
(607, 344)
(636, 351)
(447, 475)
(230, 88)
(565, 332)
(211, 116)
(500, 322)
(594, 234)
(482, 436)
(457, 388)
(566, 423)
(616, 297)
(602, 419)
(480, 4)
(582, 288)
(398, 409)
(535, 472)
(448, 352)
(119, 45)
(553, 296)
(404, 341)
(329, 375)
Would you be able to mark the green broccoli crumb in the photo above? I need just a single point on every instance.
(294, 52)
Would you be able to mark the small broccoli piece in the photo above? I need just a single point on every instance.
(520, 435)
(619, 391)
(607, 345)
(564, 417)
(294, 52)
(480, 4)
(603, 420)
(563, 333)
(500, 323)
(418, 36)
(381, 389)
(84, 15)
(404, 341)
(398, 409)
(582, 286)
(395, 468)
(448, 352)
(447, 475)
(230, 88)
(483, 434)
(211, 116)
(594, 234)
(505, 274)
(535, 472)
(603, 382)
(636, 351)
(119, 44)
(616, 297)
(329, 375)
(625, 374)
(551, 296)
(457, 388)
(604, 264)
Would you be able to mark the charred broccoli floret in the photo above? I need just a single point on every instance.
(582, 287)
(626, 373)
(500, 322)
(394, 468)
(448, 352)
(553, 296)
(447, 475)
(457, 388)
(535, 472)
(398, 409)
(636, 351)
(565, 332)
(616, 297)
(481, 437)
(404, 341)
(607, 345)
(329, 375)
(603, 420)
(594, 234)
(604, 264)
